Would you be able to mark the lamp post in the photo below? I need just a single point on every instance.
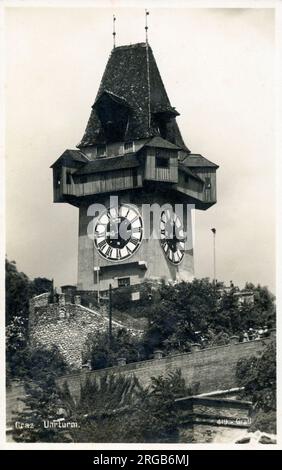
(96, 270)
(110, 314)
(214, 257)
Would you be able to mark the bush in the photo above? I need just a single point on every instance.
(258, 377)
(104, 353)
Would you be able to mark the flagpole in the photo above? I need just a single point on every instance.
(214, 255)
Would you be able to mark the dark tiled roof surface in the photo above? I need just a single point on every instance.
(108, 164)
(70, 156)
(132, 76)
(197, 160)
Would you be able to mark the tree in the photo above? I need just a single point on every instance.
(101, 411)
(40, 285)
(205, 313)
(115, 408)
(183, 311)
(262, 312)
(104, 352)
(43, 400)
(19, 290)
(157, 418)
(258, 377)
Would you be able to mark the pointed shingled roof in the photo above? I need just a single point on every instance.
(159, 142)
(197, 161)
(69, 157)
(132, 77)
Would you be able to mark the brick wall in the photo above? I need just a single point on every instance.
(205, 369)
(211, 368)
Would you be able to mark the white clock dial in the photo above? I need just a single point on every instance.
(172, 237)
(118, 232)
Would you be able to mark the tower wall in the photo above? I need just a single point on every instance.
(148, 262)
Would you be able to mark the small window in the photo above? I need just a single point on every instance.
(68, 177)
(128, 147)
(207, 182)
(162, 162)
(58, 181)
(101, 150)
(124, 281)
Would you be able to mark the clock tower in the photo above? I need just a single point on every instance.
(132, 152)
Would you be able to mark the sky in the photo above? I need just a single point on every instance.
(218, 69)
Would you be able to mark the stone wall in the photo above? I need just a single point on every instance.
(211, 369)
(66, 326)
(206, 419)
(205, 370)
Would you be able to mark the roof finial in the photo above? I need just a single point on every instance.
(114, 31)
(146, 25)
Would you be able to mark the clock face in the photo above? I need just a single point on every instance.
(172, 228)
(118, 232)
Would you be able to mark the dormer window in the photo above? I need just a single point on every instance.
(128, 147)
(101, 150)
(162, 127)
(113, 113)
(162, 117)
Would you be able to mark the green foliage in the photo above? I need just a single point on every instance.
(104, 353)
(111, 408)
(43, 400)
(157, 417)
(183, 309)
(118, 409)
(43, 404)
(262, 312)
(258, 376)
(264, 422)
(121, 300)
(101, 409)
(40, 285)
(19, 290)
(201, 312)
(182, 314)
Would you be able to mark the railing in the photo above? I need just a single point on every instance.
(163, 174)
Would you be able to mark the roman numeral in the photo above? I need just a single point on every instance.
(102, 244)
(128, 250)
(109, 252)
(135, 241)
